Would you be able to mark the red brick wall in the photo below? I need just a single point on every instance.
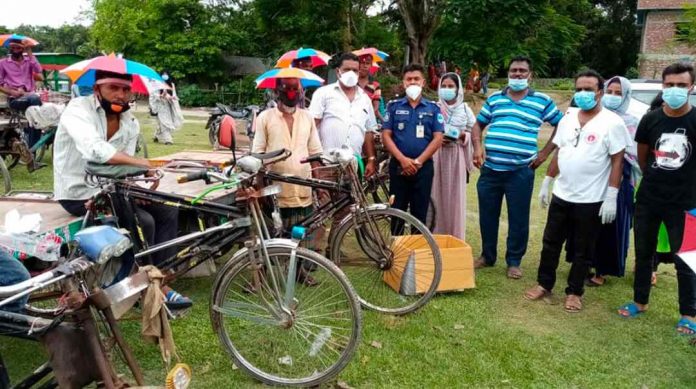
(663, 4)
(659, 33)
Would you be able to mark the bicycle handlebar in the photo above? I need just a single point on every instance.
(193, 176)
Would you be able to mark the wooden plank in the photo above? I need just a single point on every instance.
(53, 216)
(214, 158)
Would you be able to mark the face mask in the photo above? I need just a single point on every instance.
(675, 97)
(518, 84)
(413, 91)
(585, 100)
(447, 94)
(112, 107)
(16, 54)
(612, 102)
(349, 79)
(289, 97)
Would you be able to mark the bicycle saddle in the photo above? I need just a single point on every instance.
(270, 154)
(114, 171)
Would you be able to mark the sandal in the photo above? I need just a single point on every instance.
(630, 310)
(686, 327)
(175, 301)
(573, 303)
(537, 293)
(514, 273)
(594, 282)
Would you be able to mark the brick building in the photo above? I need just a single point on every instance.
(660, 21)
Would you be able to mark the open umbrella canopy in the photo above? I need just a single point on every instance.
(377, 56)
(6, 38)
(307, 79)
(82, 73)
(318, 58)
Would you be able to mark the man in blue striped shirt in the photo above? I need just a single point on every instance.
(507, 161)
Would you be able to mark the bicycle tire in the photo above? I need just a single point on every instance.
(10, 160)
(366, 275)
(6, 179)
(327, 272)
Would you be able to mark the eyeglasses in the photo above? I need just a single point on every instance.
(578, 131)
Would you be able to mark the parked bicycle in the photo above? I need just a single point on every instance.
(275, 328)
(221, 124)
(82, 339)
(379, 248)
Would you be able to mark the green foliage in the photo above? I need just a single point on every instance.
(490, 32)
(240, 92)
(67, 38)
(687, 28)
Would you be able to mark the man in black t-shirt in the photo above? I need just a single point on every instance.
(666, 138)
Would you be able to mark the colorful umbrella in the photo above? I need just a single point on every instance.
(307, 79)
(318, 58)
(377, 56)
(6, 38)
(82, 73)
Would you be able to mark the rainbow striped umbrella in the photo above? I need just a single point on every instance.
(307, 79)
(319, 58)
(82, 73)
(377, 56)
(6, 38)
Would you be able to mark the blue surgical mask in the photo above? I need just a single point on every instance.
(585, 100)
(447, 94)
(518, 84)
(612, 102)
(675, 97)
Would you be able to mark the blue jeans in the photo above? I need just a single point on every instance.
(516, 186)
(12, 272)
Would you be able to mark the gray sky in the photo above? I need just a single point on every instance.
(53, 13)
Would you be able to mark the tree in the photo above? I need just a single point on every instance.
(490, 32)
(613, 39)
(421, 19)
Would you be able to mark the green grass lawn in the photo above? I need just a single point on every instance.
(486, 337)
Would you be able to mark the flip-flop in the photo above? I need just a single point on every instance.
(688, 325)
(175, 301)
(573, 304)
(632, 309)
(514, 273)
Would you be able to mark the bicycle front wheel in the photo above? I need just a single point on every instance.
(305, 342)
(391, 259)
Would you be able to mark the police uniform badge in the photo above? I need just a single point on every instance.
(400, 126)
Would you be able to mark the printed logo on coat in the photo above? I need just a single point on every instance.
(440, 118)
(386, 117)
(591, 138)
(672, 150)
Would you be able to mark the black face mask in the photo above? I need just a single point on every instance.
(289, 97)
(112, 107)
(16, 54)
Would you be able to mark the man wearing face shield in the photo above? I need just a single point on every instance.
(591, 143)
(17, 82)
(100, 128)
(344, 113)
(666, 137)
(412, 133)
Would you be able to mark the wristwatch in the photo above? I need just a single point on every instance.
(372, 158)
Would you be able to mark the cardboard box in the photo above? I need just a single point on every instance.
(413, 270)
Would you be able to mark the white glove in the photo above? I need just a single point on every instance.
(608, 210)
(545, 192)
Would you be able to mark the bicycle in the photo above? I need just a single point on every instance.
(80, 338)
(222, 118)
(374, 244)
(277, 332)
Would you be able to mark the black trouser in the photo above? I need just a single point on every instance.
(585, 221)
(159, 223)
(411, 192)
(21, 104)
(647, 225)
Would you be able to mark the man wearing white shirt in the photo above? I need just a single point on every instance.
(344, 114)
(591, 144)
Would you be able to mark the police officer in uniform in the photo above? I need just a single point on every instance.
(412, 132)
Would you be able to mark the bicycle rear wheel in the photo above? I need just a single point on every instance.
(391, 259)
(305, 346)
(6, 180)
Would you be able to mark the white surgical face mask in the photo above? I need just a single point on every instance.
(349, 79)
(414, 91)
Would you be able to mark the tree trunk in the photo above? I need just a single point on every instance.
(421, 18)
